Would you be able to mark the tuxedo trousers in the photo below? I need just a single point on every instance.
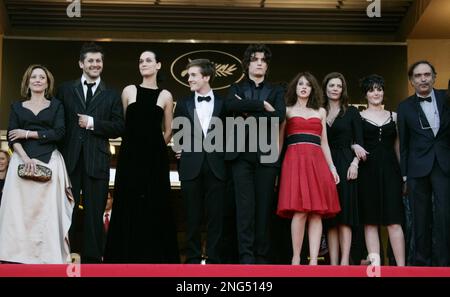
(204, 195)
(254, 186)
(429, 199)
(87, 232)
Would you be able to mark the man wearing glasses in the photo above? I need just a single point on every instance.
(424, 128)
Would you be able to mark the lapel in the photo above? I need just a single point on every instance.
(442, 105)
(94, 101)
(78, 90)
(217, 109)
(439, 103)
(190, 105)
(218, 102)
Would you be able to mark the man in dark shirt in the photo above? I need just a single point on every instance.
(253, 176)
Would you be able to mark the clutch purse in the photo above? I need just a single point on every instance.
(41, 174)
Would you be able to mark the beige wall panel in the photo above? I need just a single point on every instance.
(437, 51)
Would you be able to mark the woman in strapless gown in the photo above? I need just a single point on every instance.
(308, 176)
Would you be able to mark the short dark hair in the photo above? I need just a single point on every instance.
(315, 100)
(256, 48)
(90, 47)
(413, 66)
(370, 82)
(207, 67)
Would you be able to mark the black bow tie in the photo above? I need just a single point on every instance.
(206, 98)
(421, 99)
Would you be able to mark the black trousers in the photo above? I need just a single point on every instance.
(86, 233)
(254, 192)
(205, 192)
(429, 199)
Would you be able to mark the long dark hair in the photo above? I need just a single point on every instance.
(315, 98)
(343, 100)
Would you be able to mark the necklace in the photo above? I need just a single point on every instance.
(332, 116)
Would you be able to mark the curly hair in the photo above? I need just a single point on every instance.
(315, 100)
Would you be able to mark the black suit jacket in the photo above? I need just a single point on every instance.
(107, 112)
(419, 147)
(273, 94)
(191, 162)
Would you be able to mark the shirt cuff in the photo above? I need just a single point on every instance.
(90, 124)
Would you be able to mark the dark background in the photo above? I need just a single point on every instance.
(121, 64)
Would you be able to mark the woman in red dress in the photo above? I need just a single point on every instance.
(308, 176)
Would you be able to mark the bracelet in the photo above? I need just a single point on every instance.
(354, 164)
(26, 135)
(332, 167)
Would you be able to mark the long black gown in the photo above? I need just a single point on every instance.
(142, 227)
(380, 181)
(345, 131)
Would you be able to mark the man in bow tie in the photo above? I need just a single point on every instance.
(93, 114)
(202, 171)
(424, 130)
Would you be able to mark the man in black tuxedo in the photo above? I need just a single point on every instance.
(424, 129)
(253, 177)
(93, 114)
(202, 169)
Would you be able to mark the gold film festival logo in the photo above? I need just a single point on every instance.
(228, 67)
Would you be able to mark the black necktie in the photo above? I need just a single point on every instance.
(421, 99)
(89, 92)
(206, 98)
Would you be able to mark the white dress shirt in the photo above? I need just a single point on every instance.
(431, 112)
(90, 125)
(204, 110)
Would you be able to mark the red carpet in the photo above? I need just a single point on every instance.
(153, 270)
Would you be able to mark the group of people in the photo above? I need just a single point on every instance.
(336, 168)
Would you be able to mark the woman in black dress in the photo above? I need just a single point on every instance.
(142, 228)
(380, 181)
(343, 130)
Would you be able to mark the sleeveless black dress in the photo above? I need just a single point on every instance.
(142, 227)
(380, 181)
(345, 131)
